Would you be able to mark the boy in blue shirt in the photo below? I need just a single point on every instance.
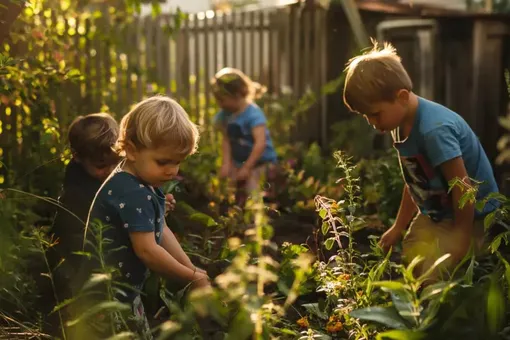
(435, 145)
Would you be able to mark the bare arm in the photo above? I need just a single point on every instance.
(259, 145)
(225, 148)
(462, 218)
(173, 247)
(406, 211)
(159, 260)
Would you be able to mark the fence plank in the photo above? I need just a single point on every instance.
(138, 60)
(305, 32)
(183, 85)
(214, 40)
(262, 44)
(324, 79)
(243, 65)
(251, 47)
(196, 69)
(206, 58)
(120, 76)
(87, 93)
(226, 60)
(234, 62)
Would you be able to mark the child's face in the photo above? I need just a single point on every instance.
(232, 104)
(98, 169)
(388, 115)
(154, 166)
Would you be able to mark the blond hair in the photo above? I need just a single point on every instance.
(233, 82)
(158, 121)
(92, 137)
(373, 77)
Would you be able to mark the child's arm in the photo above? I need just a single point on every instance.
(226, 155)
(463, 218)
(156, 258)
(404, 216)
(259, 145)
(173, 247)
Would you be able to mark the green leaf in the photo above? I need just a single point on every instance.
(433, 267)
(497, 196)
(401, 335)
(387, 316)
(103, 307)
(96, 279)
(203, 219)
(507, 272)
(168, 328)
(390, 285)
(403, 302)
(122, 336)
(322, 213)
(314, 309)
(435, 289)
(495, 306)
(170, 186)
(325, 228)
(496, 243)
(329, 243)
(488, 221)
(242, 327)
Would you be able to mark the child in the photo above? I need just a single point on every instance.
(155, 137)
(91, 139)
(435, 145)
(247, 148)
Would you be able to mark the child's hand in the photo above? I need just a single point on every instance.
(390, 238)
(225, 170)
(243, 174)
(201, 280)
(200, 270)
(169, 203)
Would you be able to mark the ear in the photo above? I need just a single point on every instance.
(403, 96)
(131, 151)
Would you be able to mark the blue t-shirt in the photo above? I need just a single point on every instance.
(239, 131)
(439, 135)
(128, 205)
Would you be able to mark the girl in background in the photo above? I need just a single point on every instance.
(247, 148)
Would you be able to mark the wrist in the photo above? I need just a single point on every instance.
(247, 166)
(399, 226)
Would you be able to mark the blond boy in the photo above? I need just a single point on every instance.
(435, 145)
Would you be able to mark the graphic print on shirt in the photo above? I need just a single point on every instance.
(418, 174)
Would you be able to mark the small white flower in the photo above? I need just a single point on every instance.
(128, 275)
(139, 210)
(109, 192)
(107, 218)
(122, 205)
(121, 264)
(149, 197)
(126, 225)
(141, 185)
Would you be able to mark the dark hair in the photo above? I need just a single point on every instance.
(92, 137)
(233, 82)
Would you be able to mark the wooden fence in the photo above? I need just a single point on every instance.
(121, 62)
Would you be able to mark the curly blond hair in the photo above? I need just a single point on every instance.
(158, 121)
